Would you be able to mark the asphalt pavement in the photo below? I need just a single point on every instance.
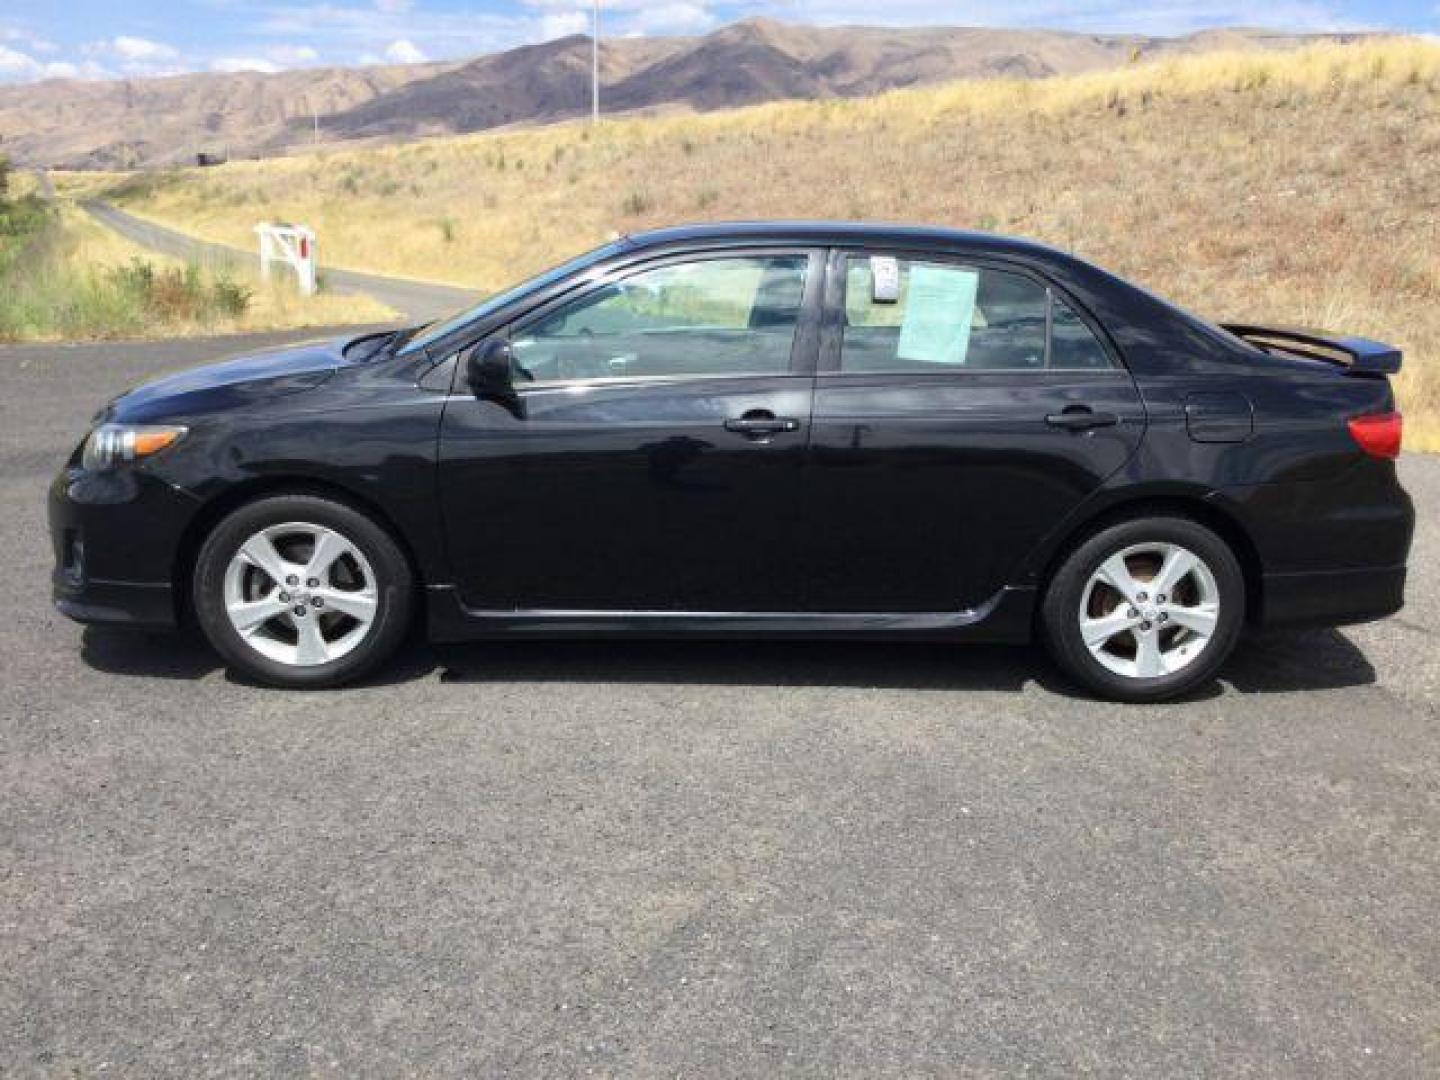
(547, 859)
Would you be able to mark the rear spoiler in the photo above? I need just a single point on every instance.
(1358, 356)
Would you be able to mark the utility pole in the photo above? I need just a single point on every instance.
(595, 66)
(315, 116)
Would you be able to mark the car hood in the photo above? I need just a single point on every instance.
(230, 384)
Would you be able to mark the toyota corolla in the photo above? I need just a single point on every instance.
(758, 430)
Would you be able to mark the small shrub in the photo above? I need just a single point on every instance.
(231, 299)
(637, 203)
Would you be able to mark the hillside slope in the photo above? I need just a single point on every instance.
(1297, 187)
(139, 122)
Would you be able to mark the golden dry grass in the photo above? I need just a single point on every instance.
(1298, 188)
(90, 247)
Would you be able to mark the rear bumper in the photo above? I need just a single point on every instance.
(1333, 597)
(1333, 550)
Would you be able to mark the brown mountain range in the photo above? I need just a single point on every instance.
(157, 121)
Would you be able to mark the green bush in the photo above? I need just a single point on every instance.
(45, 296)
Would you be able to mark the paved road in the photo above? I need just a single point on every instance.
(418, 301)
(726, 859)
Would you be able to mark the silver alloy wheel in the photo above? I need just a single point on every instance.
(300, 594)
(1149, 610)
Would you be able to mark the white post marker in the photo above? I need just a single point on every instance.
(293, 245)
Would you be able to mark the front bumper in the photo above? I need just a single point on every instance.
(116, 536)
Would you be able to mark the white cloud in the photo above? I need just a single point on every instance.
(129, 55)
(142, 50)
(404, 51)
(292, 55)
(28, 41)
(629, 18)
(17, 66)
(674, 18)
(558, 24)
(234, 64)
(367, 31)
(394, 7)
(1159, 17)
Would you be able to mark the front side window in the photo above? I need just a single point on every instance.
(912, 315)
(721, 316)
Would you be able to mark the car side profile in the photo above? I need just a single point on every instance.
(757, 430)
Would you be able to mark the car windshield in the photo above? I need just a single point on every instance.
(432, 332)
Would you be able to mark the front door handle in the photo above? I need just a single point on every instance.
(760, 422)
(1081, 418)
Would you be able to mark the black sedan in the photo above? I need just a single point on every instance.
(758, 430)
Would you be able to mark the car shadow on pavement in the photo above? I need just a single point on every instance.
(750, 663)
(1281, 661)
(1273, 662)
(147, 654)
(187, 655)
(1265, 662)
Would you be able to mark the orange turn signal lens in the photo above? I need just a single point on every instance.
(149, 440)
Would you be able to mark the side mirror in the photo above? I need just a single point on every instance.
(489, 371)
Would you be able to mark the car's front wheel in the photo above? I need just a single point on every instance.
(302, 591)
(1145, 609)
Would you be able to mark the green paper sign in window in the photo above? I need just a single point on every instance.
(939, 309)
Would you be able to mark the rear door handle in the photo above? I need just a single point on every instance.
(758, 423)
(1081, 418)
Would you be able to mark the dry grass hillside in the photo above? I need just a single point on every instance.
(1296, 187)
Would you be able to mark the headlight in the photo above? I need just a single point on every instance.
(120, 444)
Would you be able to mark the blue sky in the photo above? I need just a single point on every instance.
(116, 38)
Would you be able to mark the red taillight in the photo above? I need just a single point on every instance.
(1378, 434)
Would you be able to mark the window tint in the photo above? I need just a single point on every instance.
(947, 317)
(726, 316)
(1072, 343)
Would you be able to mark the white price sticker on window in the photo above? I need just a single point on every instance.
(884, 279)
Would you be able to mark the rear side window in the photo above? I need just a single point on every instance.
(909, 315)
(1072, 343)
(720, 316)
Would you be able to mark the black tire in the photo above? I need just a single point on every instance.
(1060, 609)
(394, 587)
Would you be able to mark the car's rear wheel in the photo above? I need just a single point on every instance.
(1145, 609)
(302, 591)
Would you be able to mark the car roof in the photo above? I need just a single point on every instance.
(836, 232)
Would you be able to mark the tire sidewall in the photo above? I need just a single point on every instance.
(1059, 612)
(393, 583)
